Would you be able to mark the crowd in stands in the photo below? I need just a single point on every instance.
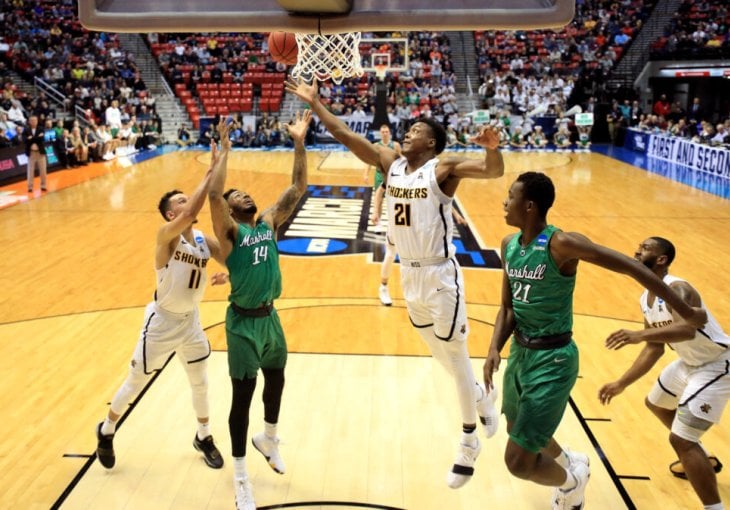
(426, 88)
(538, 70)
(523, 74)
(77, 145)
(699, 29)
(220, 74)
(44, 39)
(670, 118)
(523, 133)
(266, 131)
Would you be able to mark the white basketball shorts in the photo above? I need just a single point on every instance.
(435, 296)
(703, 390)
(164, 333)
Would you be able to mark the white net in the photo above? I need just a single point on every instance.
(335, 56)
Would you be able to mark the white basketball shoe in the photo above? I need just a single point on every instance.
(487, 410)
(244, 494)
(463, 468)
(269, 448)
(573, 499)
(384, 295)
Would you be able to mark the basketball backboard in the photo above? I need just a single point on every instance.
(376, 51)
(305, 16)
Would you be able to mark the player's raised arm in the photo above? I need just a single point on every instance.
(677, 331)
(491, 167)
(568, 248)
(284, 206)
(223, 224)
(359, 145)
(168, 233)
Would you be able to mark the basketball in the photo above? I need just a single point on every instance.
(283, 47)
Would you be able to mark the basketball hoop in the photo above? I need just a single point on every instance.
(380, 71)
(325, 56)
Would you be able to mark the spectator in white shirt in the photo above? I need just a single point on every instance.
(358, 113)
(15, 113)
(113, 117)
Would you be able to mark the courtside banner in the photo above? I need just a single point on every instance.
(14, 162)
(703, 158)
(636, 140)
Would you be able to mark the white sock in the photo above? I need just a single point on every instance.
(570, 482)
(469, 438)
(480, 394)
(203, 430)
(716, 506)
(108, 427)
(270, 430)
(239, 468)
(563, 460)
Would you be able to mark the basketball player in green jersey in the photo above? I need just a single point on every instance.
(540, 265)
(254, 335)
(386, 140)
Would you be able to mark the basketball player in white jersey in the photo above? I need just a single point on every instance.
(171, 322)
(419, 191)
(387, 266)
(692, 391)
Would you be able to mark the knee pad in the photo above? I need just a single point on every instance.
(689, 427)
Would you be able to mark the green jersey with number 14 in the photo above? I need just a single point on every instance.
(253, 266)
(542, 297)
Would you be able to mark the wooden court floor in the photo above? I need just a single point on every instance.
(368, 418)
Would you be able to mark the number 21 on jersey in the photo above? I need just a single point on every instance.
(402, 214)
(520, 291)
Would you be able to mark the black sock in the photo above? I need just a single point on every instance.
(468, 429)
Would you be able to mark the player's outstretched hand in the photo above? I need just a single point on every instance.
(610, 390)
(214, 154)
(622, 338)
(298, 129)
(488, 137)
(219, 279)
(224, 132)
(303, 90)
(491, 365)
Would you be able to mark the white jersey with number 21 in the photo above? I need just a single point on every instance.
(419, 213)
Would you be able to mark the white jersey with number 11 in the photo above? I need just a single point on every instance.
(181, 283)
